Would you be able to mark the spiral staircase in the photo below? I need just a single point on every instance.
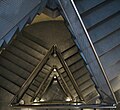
(85, 57)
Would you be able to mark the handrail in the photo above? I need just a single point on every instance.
(66, 105)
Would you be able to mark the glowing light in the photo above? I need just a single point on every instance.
(98, 101)
(79, 103)
(22, 102)
(55, 81)
(42, 100)
(54, 55)
(35, 100)
(36, 103)
(54, 70)
(68, 99)
(55, 77)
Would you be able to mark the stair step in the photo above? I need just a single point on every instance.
(73, 59)
(44, 70)
(70, 85)
(6, 90)
(111, 57)
(77, 65)
(33, 88)
(73, 66)
(85, 5)
(21, 54)
(113, 69)
(102, 46)
(47, 67)
(12, 67)
(17, 81)
(96, 18)
(8, 85)
(11, 76)
(61, 70)
(117, 94)
(32, 44)
(115, 83)
(36, 83)
(66, 45)
(92, 96)
(16, 60)
(30, 93)
(28, 50)
(80, 72)
(35, 39)
(86, 84)
(88, 91)
(107, 27)
(39, 78)
(83, 79)
(67, 79)
(69, 52)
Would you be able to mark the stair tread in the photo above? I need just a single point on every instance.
(32, 44)
(26, 57)
(8, 85)
(28, 50)
(87, 5)
(18, 61)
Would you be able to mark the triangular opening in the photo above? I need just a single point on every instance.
(48, 81)
(54, 92)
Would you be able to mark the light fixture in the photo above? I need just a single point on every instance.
(98, 101)
(68, 99)
(54, 70)
(35, 100)
(54, 55)
(42, 100)
(22, 102)
(55, 81)
(55, 77)
(79, 103)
